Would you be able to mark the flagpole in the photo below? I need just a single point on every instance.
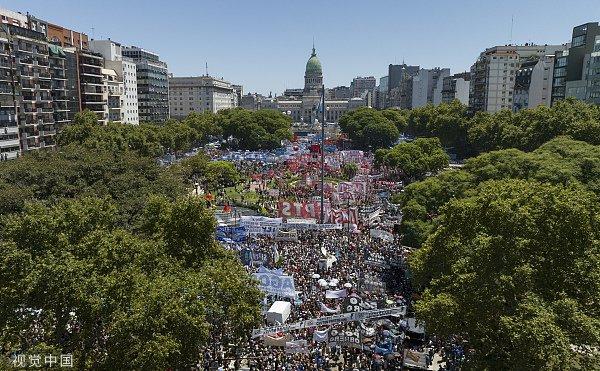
(322, 151)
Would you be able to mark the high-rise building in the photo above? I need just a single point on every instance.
(380, 96)
(126, 74)
(360, 85)
(238, 91)
(91, 84)
(559, 76)
(152, 84)
(493, 74)
(199, 94)
(340, 92)
(456, 87)
(400, 85)
(593, 77)
(576, 72)
(533, 83)
(424, 85)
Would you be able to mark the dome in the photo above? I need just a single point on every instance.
(313, 66)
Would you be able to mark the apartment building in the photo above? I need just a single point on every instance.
(360, 85)
(577, 70)
(493, 74)
(126, 75)
(199, 94)
(400, 85)
(456, 87)
(152, 84)
(533, 83)
(91, 84)
(427, 86)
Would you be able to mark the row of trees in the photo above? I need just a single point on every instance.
(248, 130)
(412, 160)
(106, 257)
(470, 134)
(509, 255)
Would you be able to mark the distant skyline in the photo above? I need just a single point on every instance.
(264, 45)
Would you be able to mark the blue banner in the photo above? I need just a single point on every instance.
(227, 233)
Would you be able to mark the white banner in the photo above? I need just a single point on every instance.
(331, 320)
(325, 309)
(336, 294)
(320, 336)
(384, 235)
(261, 225)
(276, 282)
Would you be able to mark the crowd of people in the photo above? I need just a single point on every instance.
(368, 267)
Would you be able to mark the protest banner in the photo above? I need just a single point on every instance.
(331, 320)
(288, 209)
(296, 346)
(275, 282)
(349, 339)
(234, 233)
(261, 225)
(383, 235)
(415, 359)
(336, 294)
(320, 336)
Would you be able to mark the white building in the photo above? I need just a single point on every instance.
(493, 74)
(456, 87)
(125, 69)
(199, 94)
(113, 92)
(424, 86)
(304, 108)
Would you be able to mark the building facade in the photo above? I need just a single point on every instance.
(126, 75)
(360, 85)
(305, 108)
(425, 89)
(456, 87)
(199, 94)
(152, 84)
(400, 85)
(493, 74)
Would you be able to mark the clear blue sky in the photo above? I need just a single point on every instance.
(264, 44)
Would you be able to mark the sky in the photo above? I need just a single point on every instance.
(264, 44)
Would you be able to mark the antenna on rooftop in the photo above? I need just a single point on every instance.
(206, 67)
(512, 23)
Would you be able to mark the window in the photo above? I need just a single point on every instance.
(578, 41)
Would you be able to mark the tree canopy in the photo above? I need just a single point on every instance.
(412, 160)
(254, 130)
(83, 285)
(515, 269)
(372, 129)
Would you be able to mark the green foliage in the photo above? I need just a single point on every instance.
(529, 129)
(349, 170)
(114, 299)
(370, 129)
(412, 160)
(559, 161)
(448, 122)
(254, 130)
(515, 268)
(73, 172)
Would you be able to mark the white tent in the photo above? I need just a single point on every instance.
(279, 312)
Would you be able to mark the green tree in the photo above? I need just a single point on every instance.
(81, 284)
(515, 269)
(220, 174)
(371, 129)
(412, 160)
(349, 170)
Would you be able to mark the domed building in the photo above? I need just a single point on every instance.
(301, 104)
